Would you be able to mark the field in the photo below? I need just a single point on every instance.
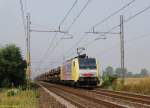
(136, 85)
(15, 98)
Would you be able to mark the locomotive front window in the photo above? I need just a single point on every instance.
(88, 63)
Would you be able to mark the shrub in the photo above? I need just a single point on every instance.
(108, 81)
(12, 92)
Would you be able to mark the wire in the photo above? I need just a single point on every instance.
(23, 16)
(45, 54)
(126, 42)
(138, 37)
(125, 21)
(114, 13)
(26, 6)
(130, 18)
(84, 7)
(105, 19)
(68, 13)
(54, 37)
(78, 42)
(82, 10)
(137, 14)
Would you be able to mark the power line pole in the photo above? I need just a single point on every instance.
(28, 72)
(122, 46)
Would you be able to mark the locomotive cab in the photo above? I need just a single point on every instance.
(85, 71)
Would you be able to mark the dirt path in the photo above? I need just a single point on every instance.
(47, 101)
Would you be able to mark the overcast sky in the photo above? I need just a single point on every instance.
(47, 15)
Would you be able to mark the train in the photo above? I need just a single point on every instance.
(80, 71)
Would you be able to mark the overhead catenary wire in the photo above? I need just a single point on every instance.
(137, 37)
(114, 46)
(128, 19)
(45, 54)
(76, 1)
(54, 37)
(70, 26)
(125, 21)
(23, 16)
(63, 22)
(126, 42)
(138, 13)
(102, 21)
(114, 13)
(82, 10)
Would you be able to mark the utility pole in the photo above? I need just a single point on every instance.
(28, 72)
(122, 46)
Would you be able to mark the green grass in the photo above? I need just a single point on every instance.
(19, 99)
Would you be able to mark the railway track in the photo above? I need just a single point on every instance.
(92, 98)
(80, 99)
(142, 99)
(69, 98)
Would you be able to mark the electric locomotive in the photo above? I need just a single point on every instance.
(81, 71)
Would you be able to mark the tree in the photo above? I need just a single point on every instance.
(144, 72)
(109, 71)
(129, 74)
(119, 71)
(12, 66)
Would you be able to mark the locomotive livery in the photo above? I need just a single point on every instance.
(80, 71)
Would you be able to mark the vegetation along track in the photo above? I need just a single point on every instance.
(143, 99)
(89, 99)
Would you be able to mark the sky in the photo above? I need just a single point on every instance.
(48, 50)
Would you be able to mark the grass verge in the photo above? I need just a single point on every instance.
(136, 85)
(17, 98)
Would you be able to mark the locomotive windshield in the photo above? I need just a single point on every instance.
(88, 63)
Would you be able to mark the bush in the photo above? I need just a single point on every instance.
(12, 92)
(108, 81)
(118, 85)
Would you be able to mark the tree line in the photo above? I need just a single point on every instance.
(118, 72)
(12, 66)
